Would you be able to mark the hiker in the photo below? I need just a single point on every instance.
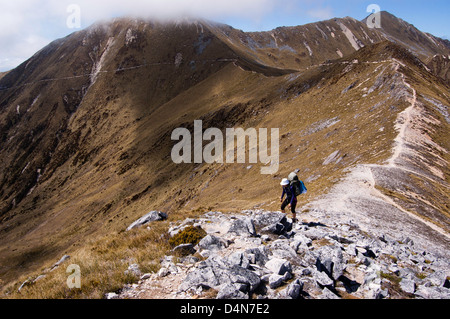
(291, 199)
(292, 187)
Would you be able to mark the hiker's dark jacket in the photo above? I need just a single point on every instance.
(290, 194)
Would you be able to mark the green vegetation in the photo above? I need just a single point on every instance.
(190, 235)
(391, 277)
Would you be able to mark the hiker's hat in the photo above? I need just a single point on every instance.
(284, 182)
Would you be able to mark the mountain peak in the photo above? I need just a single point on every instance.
(423, 44)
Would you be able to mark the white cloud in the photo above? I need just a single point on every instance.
(20, 34)
(104, 9)
(321, 13)
(16, 51)
(28, 25)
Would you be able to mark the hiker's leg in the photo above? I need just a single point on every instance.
(283, 206)
(294, 213)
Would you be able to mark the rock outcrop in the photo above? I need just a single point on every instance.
(261, 254)
(150, 217)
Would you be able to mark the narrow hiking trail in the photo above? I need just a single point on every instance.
(404, 117)
(357, 196)
(404, 122)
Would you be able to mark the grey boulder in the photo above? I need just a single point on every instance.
(243, 227)
(231, 291)
(150, 217)
(279, 266)
(212, 243)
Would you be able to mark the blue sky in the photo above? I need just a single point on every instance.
(431, 16)
(28, 25)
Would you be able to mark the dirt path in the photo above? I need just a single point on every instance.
(357, 197)
(405, 118)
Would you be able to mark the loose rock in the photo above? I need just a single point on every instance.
(150, 217)
(324, 261)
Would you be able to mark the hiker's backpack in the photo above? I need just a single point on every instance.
(297, 184)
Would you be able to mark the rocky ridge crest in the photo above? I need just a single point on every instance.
(262, 255)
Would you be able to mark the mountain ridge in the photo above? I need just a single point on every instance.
(91, 150)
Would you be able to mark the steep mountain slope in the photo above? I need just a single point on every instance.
(71, 112)
(67, 70)
(430, 49)
(302, 46)
(401, 32)
(86, 124)
(312, 44)
(440, 65)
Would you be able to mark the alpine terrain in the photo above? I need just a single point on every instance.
(85, 149)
